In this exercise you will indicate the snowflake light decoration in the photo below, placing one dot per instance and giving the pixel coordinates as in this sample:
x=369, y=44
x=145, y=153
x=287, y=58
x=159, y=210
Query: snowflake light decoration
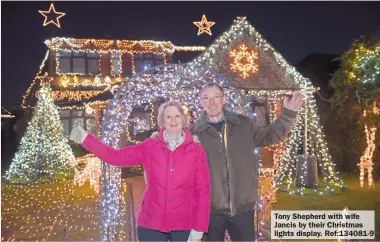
x=244, y=61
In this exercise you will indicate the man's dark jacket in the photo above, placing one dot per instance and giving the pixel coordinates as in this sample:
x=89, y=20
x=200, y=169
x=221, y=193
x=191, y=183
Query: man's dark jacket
x=232, y=161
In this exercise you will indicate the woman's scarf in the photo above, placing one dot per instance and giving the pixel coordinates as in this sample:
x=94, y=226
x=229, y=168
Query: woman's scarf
x=174, y=143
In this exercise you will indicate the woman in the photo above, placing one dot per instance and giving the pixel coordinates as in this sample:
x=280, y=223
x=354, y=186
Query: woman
x=176, y=202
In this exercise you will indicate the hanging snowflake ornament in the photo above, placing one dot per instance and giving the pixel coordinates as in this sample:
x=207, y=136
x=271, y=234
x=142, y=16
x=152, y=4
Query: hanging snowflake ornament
x=244, y=61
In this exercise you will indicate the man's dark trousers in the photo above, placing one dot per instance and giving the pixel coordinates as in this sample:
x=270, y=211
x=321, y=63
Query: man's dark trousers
x=240, y=227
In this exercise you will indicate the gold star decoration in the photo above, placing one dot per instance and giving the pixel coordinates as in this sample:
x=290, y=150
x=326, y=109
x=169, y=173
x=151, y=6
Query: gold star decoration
x=244, y=61
x=204, y=26
x=50, y=12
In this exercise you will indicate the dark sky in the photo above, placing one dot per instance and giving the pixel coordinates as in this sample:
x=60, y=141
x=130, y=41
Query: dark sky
x=295, y=29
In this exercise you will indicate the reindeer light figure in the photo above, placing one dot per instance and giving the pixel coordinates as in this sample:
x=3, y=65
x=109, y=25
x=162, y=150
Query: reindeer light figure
x=366, y=162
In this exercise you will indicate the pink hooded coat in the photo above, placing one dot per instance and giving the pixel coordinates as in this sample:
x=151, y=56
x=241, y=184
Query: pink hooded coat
x=178, y=192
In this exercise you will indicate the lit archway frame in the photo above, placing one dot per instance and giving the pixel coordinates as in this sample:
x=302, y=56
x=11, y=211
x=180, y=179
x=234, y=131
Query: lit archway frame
x=163, y=81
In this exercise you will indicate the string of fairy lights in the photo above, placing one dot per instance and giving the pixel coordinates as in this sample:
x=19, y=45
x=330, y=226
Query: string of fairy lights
x=183, y=82
x=6, y=114
x=107, y=50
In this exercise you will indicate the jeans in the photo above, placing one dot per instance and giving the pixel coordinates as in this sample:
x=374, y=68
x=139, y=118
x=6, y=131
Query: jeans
x=145, y=234
x=240, y=227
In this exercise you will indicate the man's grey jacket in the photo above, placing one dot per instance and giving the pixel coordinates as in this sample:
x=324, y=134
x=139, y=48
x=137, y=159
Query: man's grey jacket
x=232, y=161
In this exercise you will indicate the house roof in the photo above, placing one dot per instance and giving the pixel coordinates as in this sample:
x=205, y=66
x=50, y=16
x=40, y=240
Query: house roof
x=131, y=46
x=241, y=48
x=239, y=59
x=6, y=114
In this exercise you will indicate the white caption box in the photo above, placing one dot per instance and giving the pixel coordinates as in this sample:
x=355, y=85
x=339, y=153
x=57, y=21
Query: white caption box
x=322, y=224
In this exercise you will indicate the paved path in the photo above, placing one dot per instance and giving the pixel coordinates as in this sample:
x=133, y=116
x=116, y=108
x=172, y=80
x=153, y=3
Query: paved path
x=138, y=187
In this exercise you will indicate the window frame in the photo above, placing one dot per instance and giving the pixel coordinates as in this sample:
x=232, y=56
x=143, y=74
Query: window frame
x=71, y=61
x=72, y=116
x=155, y=59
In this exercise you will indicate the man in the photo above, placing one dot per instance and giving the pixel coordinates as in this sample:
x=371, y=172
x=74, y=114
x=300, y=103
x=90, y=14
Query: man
x=229, y=140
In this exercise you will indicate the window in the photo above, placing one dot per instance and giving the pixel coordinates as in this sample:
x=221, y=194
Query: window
x=126, y=64
x=141, y=124
x=73, y=118
x=93, y=63
x=139, y=63
x=75, y=122
x=143, y=62
x=148, y=64
x=91, y=127
x=66, y=127
x=64, y=61
x=116, y=63
x=64, y=113
x=105, y=67
x=78, y=62
x=159, y=59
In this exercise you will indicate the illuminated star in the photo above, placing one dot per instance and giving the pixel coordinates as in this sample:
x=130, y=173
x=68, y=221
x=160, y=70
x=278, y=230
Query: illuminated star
x=51, y=12
x=204, y=26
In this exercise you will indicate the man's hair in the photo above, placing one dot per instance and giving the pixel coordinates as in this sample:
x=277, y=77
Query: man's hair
x=212, y=84
x=176, y=104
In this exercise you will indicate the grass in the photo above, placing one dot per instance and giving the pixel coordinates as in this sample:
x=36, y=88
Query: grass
x=61, y=211
x=55, y=212
x=353, y=197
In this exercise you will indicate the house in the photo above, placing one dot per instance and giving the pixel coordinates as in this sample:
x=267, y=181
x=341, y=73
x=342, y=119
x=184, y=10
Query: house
x=85, y=73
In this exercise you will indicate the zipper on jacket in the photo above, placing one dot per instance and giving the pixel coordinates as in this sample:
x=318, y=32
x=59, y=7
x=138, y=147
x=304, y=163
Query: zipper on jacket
x=227, y=165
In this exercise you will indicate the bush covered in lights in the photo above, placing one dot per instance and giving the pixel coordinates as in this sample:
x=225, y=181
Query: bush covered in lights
x=44, y=153
x=356, y=102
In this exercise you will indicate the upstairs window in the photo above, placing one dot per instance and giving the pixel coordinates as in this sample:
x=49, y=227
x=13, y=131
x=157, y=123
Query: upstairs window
x=146, y=61
x=72, y=118
x=78, y=62
x=116, y=65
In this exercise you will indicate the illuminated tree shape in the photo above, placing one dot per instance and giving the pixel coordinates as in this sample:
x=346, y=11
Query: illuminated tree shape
x=44, y=153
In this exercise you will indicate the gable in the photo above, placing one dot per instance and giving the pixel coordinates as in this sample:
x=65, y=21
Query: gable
x=245, y=60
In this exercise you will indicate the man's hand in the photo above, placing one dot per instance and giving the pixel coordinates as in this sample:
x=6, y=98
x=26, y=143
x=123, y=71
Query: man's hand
x=195, y=236
x=78, y=134
x=294, y=102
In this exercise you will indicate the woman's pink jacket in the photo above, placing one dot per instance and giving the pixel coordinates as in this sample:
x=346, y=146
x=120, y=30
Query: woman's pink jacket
x=178, y=192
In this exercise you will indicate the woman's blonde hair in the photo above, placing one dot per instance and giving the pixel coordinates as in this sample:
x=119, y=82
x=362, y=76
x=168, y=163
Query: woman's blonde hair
x=176, y=104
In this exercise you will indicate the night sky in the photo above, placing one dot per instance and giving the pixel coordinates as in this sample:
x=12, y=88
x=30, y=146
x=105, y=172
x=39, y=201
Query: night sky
x=295, y=29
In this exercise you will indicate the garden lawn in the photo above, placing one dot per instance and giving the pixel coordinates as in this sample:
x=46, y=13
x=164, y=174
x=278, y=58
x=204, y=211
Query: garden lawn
x=56, y=211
